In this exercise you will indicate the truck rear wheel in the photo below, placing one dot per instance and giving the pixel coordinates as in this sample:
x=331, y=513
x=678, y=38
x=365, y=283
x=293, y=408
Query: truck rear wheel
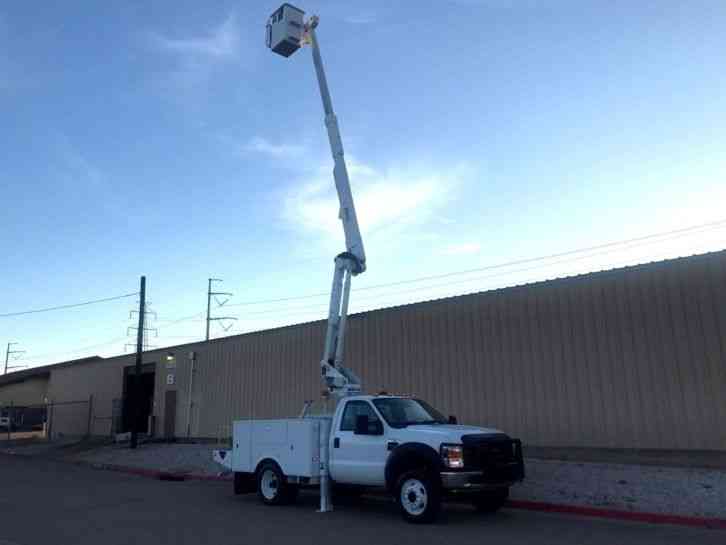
x=491, y=500
x=272, y=486
x=419, y=497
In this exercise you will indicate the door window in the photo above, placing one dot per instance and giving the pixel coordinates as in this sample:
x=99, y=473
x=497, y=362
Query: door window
x=353, y=410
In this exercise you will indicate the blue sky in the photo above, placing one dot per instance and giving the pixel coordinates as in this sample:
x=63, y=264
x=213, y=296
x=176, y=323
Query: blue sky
x=166, y=140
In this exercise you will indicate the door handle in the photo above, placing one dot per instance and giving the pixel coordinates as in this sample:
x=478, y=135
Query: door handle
x=336, y=442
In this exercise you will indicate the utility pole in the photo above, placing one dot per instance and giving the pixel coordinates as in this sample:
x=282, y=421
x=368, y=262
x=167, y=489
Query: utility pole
x=214, y=294
x=9, y=353
x=137, y=370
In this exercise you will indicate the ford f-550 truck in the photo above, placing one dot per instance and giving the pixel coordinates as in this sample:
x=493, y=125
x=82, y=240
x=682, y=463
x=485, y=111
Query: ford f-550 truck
x=398, y=444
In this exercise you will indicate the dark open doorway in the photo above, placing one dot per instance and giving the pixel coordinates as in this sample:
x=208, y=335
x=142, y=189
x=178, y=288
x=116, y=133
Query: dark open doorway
x=140, y=393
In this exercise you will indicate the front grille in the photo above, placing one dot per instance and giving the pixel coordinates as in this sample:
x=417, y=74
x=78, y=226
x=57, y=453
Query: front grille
x=498, y=457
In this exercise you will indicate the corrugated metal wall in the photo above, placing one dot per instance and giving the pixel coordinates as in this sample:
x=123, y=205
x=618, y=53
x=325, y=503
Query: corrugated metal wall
x=78, y=382
x=631, y=358
x=31, y=391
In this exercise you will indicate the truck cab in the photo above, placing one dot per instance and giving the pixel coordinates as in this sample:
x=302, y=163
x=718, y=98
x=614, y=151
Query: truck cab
x=418, y=455
x=400, y=445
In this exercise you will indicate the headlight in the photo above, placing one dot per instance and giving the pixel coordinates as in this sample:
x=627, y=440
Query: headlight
x=453, y=456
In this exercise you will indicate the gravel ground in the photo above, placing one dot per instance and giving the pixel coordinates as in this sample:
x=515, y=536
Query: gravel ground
x=682, y=491
x=185, y=458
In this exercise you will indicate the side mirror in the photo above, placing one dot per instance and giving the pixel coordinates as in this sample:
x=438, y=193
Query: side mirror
x=452, y=419
x=364, y=426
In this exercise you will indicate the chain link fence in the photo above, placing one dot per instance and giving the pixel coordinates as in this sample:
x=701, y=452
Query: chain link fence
x=22, y=422
x=69, y=419
x=53, y=420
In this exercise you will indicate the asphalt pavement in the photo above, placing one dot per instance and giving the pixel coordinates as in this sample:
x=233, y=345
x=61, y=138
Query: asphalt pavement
x=44, y=501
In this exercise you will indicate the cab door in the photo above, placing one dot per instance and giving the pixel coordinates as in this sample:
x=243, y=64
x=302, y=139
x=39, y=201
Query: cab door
x=359, y=458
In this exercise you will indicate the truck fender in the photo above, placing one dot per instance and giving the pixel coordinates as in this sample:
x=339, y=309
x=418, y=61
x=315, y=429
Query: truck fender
x=266, y=460
x=411, y=456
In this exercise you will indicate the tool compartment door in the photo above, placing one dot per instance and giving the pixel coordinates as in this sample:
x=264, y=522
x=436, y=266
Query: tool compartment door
x=269, y=440
x=242, y=446
x=303, y=448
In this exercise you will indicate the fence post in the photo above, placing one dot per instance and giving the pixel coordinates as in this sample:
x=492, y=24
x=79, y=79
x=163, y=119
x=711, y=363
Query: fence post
x=90, y=415
x=50, y=421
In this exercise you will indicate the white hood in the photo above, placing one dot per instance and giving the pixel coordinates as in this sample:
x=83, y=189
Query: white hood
x=435, y=434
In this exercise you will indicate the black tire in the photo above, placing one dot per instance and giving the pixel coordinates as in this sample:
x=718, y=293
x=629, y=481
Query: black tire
x=418, y=494
x=272, y=487
x=491, y=500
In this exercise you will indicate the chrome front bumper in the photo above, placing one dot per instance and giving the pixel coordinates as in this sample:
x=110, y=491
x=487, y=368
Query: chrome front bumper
x=469, y=480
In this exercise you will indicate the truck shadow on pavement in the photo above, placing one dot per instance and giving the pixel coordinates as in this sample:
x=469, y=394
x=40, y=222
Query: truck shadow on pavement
x=380, y=508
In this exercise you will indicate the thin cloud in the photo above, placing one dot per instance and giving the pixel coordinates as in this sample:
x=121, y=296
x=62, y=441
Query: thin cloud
x=387, y=203
x=264, y=146
x=221, y=43
x=197, y=58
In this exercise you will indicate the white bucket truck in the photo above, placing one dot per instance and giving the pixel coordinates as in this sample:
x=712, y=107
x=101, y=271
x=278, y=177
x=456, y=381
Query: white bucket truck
x=394, y=443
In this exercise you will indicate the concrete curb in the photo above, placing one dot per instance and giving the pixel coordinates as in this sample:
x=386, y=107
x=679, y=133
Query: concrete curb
x=633, y=516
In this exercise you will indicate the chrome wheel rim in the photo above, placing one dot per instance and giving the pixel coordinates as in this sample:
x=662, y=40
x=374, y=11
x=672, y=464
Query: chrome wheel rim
x=414, y=497
x=269, y=484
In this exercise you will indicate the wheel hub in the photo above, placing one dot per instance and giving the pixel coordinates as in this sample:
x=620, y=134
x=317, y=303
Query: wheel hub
x=414, y=498
x=269, y=484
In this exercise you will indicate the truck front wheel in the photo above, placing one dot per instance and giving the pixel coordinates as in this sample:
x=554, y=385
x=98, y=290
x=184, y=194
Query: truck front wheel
x=272, y=486
x=419, y=497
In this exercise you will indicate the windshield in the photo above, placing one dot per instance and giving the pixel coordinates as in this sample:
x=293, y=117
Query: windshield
x=400, y=412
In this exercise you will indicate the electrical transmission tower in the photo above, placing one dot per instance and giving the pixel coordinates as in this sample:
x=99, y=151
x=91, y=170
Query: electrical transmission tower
x=132, y=331
x=15, y=354
x=215, y=294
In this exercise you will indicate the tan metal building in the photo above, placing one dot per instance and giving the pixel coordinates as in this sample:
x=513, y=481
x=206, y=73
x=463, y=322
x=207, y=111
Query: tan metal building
x=628, y=358
x=30, y=390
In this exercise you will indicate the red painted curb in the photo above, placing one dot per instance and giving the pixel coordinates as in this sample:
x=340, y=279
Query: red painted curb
x=161, y=475
x=634, y=516
x=203, y=477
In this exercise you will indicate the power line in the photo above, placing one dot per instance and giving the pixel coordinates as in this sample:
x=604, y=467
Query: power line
x=313, y=308
x=318, y=309
x=297, y=315
x=167, y=323
x=51, y=355
x=319, y=313
x=525, y=269
x=63, y=307
x=683, y=231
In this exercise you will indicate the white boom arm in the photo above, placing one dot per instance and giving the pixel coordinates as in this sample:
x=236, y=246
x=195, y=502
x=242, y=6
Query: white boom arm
x=339, y=380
